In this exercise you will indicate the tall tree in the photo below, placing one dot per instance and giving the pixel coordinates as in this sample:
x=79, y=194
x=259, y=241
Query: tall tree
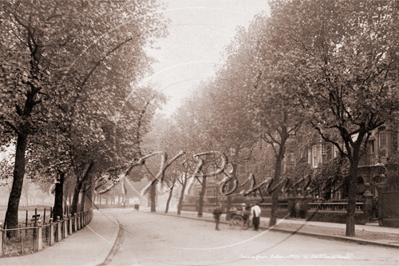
x=49, y=52
x=345, y=57
x=227, y=121
x=267, y=97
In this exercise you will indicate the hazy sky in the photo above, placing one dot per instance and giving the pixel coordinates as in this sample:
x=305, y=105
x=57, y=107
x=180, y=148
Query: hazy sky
x=199, y=31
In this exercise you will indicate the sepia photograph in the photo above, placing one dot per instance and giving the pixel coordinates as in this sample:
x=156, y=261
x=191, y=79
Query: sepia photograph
x=199, y=132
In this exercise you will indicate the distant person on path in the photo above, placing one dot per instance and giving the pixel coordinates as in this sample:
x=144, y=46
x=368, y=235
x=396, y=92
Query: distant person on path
x=255, y=212
x=136, y=203
x=216, y=214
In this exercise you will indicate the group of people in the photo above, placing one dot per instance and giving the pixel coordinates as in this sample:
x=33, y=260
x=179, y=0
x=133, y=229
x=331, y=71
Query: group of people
x=254, y=215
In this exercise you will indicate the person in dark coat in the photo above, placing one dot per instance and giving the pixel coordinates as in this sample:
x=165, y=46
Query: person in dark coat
x=217, y=212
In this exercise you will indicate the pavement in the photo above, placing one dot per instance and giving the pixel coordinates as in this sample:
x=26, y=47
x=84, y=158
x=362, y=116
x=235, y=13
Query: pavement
x=89, y=246
x=93, y=244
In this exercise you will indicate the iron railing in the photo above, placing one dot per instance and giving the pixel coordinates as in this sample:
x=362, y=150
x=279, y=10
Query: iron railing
x=37, y=234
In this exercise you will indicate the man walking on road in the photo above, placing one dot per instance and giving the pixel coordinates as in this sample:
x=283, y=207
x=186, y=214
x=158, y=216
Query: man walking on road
x=216, y=214
x=255, y=212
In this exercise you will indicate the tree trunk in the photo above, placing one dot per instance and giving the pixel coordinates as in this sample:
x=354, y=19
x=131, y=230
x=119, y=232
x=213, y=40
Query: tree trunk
x=352, y=189
x=229, y=200
x=11, y=219
x=88, y=195
x=153, y=194
x=75, y=200
x=201, y=197
x=78, y=188
x=277, y=173
x=167, y=202
x=180, y=206
x=352, y=184
x=83, y=198
x=59, y=196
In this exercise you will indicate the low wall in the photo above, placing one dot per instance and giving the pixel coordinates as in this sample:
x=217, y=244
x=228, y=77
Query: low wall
x=335, y=216
x=332, y=216
x=265, y=209
x=389, y=222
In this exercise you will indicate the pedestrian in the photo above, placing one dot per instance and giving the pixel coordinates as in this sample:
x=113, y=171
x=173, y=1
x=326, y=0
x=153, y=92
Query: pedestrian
x=243, y=209
x=255, y=212
x=216, y=214
x=245, y=214
x=136, y=203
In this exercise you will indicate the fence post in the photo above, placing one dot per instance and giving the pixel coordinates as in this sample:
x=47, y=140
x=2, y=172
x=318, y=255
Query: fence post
x=75, y=222
x=70, y=224
x=51, y=232
x=368, y=203
x=59, y=235
x=381, y=188
x=39, y=235
x=291, y=205
x=300, y=205
x=1, y=239
x=65, y=226
x=78, y=220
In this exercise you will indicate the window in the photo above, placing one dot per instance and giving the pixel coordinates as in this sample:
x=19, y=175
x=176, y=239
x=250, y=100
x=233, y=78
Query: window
x=324, y=149
x=338, y=195
x=316, y=153
x=336, y=152
x=371, y=147
x=383, y=139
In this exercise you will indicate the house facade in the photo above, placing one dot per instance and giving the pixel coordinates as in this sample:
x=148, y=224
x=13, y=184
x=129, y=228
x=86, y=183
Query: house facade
x=382, y=144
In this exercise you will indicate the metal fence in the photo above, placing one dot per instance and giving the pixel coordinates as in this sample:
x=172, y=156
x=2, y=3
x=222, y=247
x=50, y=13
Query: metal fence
x=37, y=233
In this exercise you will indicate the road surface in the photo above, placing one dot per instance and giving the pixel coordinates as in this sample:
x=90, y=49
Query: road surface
x=154, y=239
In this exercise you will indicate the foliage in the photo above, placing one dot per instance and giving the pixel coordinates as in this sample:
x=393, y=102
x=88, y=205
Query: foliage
x=343, y=58
x=64, y=65
x=266, y=97
x=6, y=169
x=301, y=169
x=336, y=168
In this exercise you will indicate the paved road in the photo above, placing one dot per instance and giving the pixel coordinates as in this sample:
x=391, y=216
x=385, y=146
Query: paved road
x=153, y=239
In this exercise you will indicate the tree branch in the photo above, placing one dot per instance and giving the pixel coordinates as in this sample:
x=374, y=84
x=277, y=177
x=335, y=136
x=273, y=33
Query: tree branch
x=326, y=138
x=86, y=78
x=13, y=127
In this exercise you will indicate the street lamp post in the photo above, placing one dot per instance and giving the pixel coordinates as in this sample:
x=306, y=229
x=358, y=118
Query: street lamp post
x=217, y=188
x=381, y=187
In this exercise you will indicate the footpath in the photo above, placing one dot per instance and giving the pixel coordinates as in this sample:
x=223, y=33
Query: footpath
x=91, y=245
